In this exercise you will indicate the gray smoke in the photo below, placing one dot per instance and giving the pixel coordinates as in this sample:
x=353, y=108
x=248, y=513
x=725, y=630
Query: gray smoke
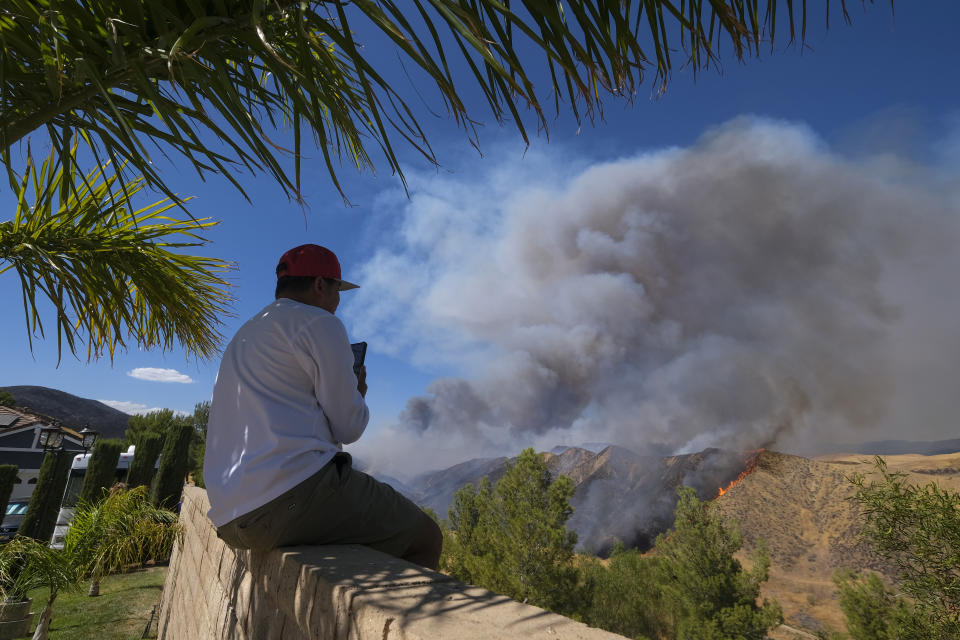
x=754, y=289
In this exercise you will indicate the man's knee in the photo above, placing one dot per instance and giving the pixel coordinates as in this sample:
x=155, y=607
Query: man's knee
x=427, y=546
x=431, y=534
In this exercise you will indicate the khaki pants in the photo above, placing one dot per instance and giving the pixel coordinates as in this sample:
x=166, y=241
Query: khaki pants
x=337, y=505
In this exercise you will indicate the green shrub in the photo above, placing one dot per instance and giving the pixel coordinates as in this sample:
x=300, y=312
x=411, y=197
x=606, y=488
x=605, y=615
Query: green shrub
x=142, y=467
x=8, y=477
x=101, y=470
x=512, y=537
x=41, y=517
x=624, y=596
x=689, y=587
x=174, y=463
x=708, y=595
x=917, y=529
x=872, y=611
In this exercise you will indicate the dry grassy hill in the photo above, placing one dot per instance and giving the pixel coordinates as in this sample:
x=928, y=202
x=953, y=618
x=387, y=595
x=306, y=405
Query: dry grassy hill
x=800, y=508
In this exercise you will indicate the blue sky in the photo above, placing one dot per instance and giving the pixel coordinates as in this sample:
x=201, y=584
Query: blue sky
x=882, y=90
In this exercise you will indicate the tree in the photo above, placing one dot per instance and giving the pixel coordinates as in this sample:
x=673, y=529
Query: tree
x=198, y=446
x=201, y=416
x=689, y=586
x=123, y=529
x=8, y=477
x=143, y=465
x=41, y=517
x=917, y=529
x=159, y=422
x=7, y=399
x=101, y=469
x=130, y=78
x=163, y=421
x=513, y=538
x=708, y=594
x=465, y=544
x=625, y=596
x=174, y=463
x=872, y=611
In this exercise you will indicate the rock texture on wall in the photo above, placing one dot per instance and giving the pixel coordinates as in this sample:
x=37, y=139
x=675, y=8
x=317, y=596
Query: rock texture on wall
x=345, y=592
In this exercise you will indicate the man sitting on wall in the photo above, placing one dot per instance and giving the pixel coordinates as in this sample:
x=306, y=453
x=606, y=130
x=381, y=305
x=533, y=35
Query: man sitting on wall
x=285, y=401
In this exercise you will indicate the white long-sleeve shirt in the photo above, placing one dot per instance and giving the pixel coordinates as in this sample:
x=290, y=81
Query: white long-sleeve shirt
x=285, y=401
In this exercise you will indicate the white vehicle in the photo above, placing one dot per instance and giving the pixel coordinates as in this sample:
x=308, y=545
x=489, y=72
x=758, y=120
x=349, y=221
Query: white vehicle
x=71, y=495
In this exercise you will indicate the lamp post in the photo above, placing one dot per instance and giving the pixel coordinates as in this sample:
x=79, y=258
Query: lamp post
x=88, y=437
x=51, y=438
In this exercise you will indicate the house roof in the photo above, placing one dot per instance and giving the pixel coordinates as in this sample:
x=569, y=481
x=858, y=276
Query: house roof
x=14, y=419
x=71, y=432
x=17, y=419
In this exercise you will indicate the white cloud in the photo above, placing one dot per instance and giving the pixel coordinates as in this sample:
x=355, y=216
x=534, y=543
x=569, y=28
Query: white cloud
x=129, y=407
x=153, y=374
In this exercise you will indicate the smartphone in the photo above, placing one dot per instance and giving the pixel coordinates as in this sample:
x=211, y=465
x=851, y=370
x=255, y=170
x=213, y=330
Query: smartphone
x=359, y=353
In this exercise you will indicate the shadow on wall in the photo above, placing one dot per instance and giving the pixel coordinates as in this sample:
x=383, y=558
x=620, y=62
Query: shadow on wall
x=330, y=592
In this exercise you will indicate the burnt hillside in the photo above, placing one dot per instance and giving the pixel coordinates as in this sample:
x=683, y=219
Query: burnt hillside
x=621, y=496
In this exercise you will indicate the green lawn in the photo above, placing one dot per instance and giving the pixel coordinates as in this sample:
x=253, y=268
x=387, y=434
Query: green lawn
x=119, y=613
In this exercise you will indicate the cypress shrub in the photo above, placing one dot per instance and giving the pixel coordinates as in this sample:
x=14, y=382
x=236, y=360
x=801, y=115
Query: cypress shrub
x=144, y=457
x=174, y=462
x=41, y=516
x=101, y=470
x=8, y=476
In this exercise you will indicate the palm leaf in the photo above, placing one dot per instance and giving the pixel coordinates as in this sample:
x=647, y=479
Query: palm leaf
x=165, y=76
x=111, y=272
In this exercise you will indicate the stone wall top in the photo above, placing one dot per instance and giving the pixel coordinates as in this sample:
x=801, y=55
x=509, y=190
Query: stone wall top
x=348, y=592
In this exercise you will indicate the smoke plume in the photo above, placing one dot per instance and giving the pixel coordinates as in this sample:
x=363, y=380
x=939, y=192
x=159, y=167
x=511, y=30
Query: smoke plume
x=750, y=290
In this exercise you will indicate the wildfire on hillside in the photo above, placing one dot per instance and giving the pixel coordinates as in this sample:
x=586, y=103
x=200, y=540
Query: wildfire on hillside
x=750, y=464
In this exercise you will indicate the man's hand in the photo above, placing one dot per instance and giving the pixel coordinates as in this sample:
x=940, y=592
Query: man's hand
x=362, y=381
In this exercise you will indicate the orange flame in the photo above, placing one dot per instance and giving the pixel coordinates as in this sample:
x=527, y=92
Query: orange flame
x=751, y=465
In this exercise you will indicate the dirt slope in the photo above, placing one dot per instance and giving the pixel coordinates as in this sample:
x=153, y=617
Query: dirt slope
x=800, y=508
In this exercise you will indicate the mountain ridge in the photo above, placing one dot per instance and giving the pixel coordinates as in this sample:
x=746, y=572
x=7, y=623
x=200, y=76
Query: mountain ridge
x=69, y=410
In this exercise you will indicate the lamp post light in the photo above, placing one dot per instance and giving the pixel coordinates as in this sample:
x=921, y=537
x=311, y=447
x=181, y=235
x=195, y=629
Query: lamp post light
x=88, y=437
x=50, y=438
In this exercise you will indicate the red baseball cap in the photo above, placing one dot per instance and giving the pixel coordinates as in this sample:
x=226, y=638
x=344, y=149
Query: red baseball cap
x=312, y=260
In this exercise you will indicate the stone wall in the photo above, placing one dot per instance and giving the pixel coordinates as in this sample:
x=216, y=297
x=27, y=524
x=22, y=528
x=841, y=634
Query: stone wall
x=345, y=592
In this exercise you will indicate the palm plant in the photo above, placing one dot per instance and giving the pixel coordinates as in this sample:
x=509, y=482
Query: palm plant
x=105, y=537
x=112, y=272
x=121, y=530
x=26, y=564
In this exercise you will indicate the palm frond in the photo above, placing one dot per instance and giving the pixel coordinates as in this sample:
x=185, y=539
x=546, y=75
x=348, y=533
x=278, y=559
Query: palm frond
x=137, y=79
x=111, y=272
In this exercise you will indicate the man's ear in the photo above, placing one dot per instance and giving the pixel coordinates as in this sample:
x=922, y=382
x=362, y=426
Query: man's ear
x=318, y=285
